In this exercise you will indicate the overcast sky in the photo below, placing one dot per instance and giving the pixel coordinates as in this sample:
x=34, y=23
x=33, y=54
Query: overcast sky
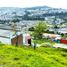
x=30, y=3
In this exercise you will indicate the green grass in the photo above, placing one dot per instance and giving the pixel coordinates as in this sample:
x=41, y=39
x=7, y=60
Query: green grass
x=28, y=57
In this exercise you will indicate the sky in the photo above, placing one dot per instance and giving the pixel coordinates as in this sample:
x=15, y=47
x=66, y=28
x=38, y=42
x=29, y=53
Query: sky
x=31, y=3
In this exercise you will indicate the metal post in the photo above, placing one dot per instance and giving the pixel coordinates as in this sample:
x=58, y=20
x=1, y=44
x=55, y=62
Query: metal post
x=35, y=43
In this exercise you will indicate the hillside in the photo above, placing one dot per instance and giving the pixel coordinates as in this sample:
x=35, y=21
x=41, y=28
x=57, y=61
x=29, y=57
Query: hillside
x=28, y=57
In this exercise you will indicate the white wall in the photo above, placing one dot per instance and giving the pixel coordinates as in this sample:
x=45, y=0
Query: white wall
x=5, y=40
x=26, y=36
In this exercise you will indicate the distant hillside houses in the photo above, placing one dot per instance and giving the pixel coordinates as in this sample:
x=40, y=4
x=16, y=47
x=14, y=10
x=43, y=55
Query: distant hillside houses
x=60, y=30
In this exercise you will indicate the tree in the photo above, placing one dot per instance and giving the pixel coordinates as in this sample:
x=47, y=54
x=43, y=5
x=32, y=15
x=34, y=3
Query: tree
x=65, y=36
x=39, y=28
x=31, y=29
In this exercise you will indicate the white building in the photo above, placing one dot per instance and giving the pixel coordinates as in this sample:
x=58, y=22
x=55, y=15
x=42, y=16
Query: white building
x=26, y=39
x=9, y=36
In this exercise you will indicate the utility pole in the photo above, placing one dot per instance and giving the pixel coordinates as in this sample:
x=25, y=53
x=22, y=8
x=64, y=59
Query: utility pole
x=34, y=42
x=14, y=29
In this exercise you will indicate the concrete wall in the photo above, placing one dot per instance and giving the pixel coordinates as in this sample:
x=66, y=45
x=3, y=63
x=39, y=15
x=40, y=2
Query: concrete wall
x=5, y=40
x=17, y=41
x=25, y=39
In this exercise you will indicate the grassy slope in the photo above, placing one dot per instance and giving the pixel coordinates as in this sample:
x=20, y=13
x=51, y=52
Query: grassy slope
x=27, y=57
